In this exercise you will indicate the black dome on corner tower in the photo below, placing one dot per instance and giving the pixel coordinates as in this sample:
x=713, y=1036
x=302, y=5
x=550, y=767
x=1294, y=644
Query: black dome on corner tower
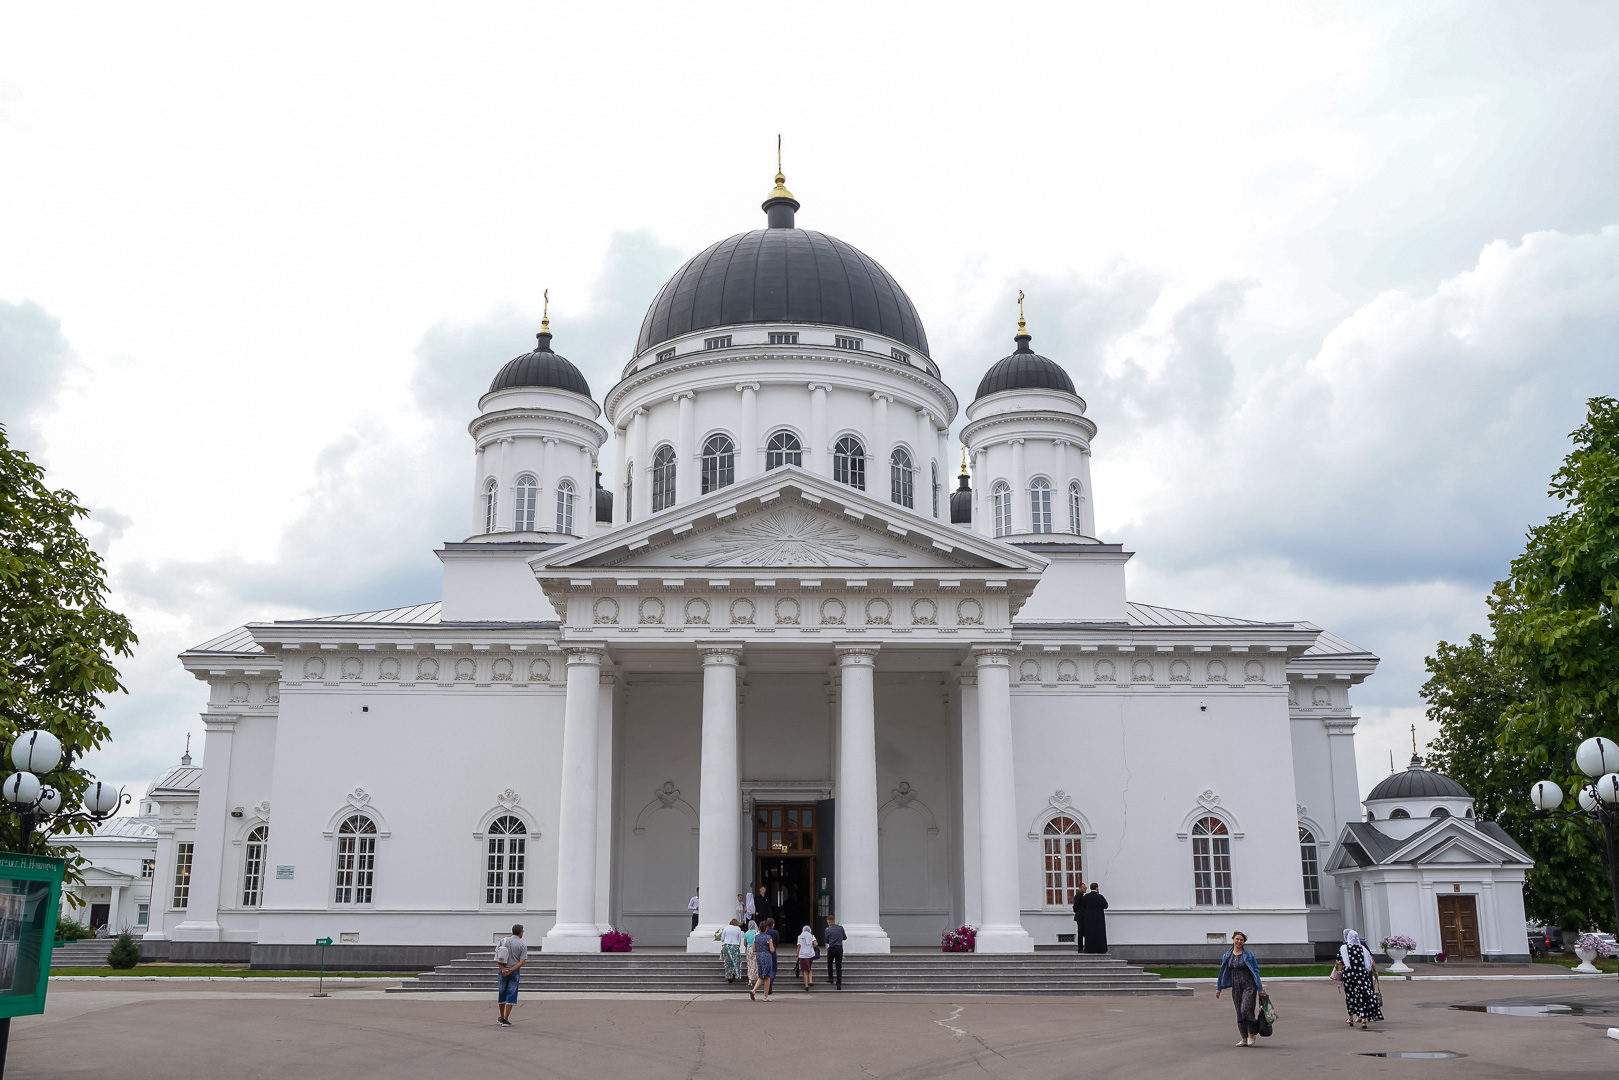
x=1417, y=783
x=781, y=274
x=541, y=368
x=1024, y=370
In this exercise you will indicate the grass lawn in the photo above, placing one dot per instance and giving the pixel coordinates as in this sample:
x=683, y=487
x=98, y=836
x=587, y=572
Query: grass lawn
x=1569, y=960
x=1322, y=970
x=220, y=970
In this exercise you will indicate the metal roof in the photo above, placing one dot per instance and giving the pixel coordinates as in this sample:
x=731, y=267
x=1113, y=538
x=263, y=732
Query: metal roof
x=542, y=367
x=180, y=780
x=231, y=641
x=127, y=827
x=1153, y=615
x=1417, y=783
x=1024, y=370
x=415, y=614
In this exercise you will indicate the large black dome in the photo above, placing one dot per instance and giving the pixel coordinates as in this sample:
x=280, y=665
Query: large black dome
x=542, y=367
x=1024, y=370
x=782, y=275
x=1417, y=783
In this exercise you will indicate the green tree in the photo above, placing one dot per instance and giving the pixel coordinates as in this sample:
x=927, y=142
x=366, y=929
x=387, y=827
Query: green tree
x=125, y=952
x=58, y=638
x=1469, y=692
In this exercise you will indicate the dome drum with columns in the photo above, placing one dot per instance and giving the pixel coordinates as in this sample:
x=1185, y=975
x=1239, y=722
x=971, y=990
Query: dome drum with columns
x=789, y=642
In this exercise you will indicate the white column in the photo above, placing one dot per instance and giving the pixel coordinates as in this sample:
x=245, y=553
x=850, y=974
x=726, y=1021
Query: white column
x=689, y=469
x=575, y=928
x=719, y=832
x=201, y=921
x=1022, y=519
x=545, y=498
x=477, y=492
x=971, y=873
x=926, y=445
x=818, y=461
x=115, y=924
x=1002, y=929
x=584, y=519
x=604, y=800
x=642, y=478
x=749, y=455
x=947, y=472
x=857, y=900
x=981, y=522
x=880, y=448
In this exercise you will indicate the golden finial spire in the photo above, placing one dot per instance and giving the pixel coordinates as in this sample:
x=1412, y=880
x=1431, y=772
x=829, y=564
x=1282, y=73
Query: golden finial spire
x=781, y=191
x=1413, y=740
x=1022, y=327
x=963, y=459
x=545, y=317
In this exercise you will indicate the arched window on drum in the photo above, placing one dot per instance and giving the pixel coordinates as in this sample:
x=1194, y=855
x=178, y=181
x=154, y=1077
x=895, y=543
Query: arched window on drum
x=1211, y=862
x=1063, y=869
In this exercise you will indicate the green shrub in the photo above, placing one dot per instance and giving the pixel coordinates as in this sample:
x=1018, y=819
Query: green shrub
x=125, y=952
x=68, y=930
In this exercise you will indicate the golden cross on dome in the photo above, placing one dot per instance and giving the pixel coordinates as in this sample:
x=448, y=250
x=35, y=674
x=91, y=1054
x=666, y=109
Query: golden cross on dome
x=780, y=191
x=1022, y=327
x=1413, y=740
x=545, y=316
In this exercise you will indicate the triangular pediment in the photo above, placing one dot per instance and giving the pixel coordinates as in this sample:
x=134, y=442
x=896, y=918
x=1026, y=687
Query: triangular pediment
x=792, y=521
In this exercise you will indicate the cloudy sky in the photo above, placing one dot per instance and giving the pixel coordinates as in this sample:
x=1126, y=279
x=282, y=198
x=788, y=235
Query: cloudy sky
x=1334, y=279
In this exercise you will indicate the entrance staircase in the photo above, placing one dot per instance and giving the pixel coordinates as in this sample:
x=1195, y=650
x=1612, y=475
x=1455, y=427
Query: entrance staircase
x=922, y=972
x=86, y=952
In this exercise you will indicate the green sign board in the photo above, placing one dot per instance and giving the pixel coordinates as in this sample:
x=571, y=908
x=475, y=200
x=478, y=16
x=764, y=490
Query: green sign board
x=30, y=891
x=323, y=941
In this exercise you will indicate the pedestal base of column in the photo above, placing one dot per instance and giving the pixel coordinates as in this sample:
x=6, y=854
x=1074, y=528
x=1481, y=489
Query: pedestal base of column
x=1003, y=939
x=572, y=938
x=701, y=940
x=864, y=939
x=196, y=931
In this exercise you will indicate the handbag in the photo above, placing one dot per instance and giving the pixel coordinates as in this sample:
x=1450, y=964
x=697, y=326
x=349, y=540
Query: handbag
x=1337, y=975
x=1267, y=1016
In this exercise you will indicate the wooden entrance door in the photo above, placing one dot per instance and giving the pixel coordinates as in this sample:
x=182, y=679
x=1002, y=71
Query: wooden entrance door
x=100, y=915
x=1458, y=926
x=785, y=849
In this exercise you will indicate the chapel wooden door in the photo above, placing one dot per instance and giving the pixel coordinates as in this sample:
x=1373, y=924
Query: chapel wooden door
x=1458, y=926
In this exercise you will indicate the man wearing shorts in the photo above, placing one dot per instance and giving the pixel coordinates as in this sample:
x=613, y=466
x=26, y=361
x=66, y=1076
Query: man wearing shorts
x=511, y=955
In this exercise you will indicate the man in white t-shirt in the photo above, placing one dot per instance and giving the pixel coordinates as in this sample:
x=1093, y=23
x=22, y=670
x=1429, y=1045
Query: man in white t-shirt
x=511, y=954
x=692, y=907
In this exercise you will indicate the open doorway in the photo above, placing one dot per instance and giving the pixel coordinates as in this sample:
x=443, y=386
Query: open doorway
x=786, y=846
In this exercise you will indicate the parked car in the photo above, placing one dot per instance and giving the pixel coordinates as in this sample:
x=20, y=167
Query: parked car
x=1545, y=941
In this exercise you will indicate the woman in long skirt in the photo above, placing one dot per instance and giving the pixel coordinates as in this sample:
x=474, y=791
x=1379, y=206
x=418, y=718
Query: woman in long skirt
x=1239, y=970
x=731, y=950
x=764, y=951
x=747, y=949
x=1360, y=981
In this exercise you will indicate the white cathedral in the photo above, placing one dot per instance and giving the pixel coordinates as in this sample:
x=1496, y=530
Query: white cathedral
x=778, y=650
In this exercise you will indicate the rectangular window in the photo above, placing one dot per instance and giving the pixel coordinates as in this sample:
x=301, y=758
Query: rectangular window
x=848, y=342
x=668, y=354
x=182, y=874
x=148, y=867
x=253, y=873
x=900, y=355
x=1312, y=867
x=784, y=339
x=142, y=914
x=717, y=342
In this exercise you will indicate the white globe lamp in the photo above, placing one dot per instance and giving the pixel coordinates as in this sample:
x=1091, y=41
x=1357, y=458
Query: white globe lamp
x=1608, y=788
x=20, y=789
x=40, y=752
x=101, y=797
x=1588, y=800
x=50, y=801
x=1546, y=795
x=1594, y=757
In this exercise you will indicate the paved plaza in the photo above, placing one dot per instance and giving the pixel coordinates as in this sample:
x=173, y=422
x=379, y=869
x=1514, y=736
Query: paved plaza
x=275, y=1030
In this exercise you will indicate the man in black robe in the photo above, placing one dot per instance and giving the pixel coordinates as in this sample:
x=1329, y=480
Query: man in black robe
x=1079, y=920
x=1092, y=920
x=764, y=906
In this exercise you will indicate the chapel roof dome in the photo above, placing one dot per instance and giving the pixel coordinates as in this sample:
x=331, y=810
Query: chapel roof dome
x=1417, y=783
x=541, y=368
x=1024, y=369
x=781, y=274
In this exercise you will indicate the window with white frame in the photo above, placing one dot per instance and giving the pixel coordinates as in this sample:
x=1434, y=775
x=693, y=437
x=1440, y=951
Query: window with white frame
x=1064, y=870
x=901, y=478
x=253, y=865
x=849, y=462
x=1039, y=505
x=1074, y=502
x=356, y=860
x=1310, y=857
x=506, y=858
x=663, y=478
x=182, y=874
x=901, y=355
x=148, y=867
x=1000, y=497
x=935, y=489
x=1211, y=862
x=667, y=354
x=783, y=339
x=528, y=495
x=143, y=914
x=719, y=463
x=566, y=497
x=717, y=342
x=783, y=449
x=848, y=342
x=491, y=505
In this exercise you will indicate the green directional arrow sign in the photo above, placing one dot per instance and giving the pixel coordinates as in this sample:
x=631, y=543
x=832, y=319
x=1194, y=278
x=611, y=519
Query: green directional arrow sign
x=323, y=941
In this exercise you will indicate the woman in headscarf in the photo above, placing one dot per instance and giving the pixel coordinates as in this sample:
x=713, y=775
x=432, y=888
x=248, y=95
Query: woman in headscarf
x=1359, y=974
x=806, y=956
x=747, y=947
x=731, y=950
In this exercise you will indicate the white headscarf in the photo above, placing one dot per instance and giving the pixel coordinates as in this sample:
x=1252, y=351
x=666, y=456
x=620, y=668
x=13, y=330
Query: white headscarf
x=806, y=936
x=1352, y=940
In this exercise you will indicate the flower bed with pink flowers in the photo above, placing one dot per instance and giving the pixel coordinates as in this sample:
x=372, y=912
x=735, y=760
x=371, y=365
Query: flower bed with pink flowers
x=616, y=941
x=961, y=939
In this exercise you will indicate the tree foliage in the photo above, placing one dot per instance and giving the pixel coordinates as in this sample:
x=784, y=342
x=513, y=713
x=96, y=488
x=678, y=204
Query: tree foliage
x=125, y=952
x=58, y=638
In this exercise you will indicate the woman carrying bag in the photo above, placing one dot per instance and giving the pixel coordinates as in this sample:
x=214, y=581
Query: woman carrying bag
x=1358, y=972
x=1239, y=971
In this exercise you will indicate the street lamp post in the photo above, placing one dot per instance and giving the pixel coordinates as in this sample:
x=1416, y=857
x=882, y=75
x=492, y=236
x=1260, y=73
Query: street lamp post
x=1598, y=797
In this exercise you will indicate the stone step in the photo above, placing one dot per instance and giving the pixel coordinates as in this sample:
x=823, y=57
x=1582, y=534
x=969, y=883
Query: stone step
x=86, y=952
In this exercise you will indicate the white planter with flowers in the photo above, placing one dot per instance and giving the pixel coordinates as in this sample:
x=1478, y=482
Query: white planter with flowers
x=1398, y=948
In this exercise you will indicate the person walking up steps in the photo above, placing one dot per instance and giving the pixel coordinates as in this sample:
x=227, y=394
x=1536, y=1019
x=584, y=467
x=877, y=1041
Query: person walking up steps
x=835, y=937
x=747, y=949
x=764, y=951
x=511, y=954
x=731, y=950
x=1359, y=973
x=807, y=947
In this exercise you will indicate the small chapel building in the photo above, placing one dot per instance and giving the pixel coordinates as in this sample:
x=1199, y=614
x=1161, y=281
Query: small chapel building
x=774, y=649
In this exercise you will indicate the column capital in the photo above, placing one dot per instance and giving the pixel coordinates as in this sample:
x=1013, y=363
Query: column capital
x=689, y=394
x=713, y=655
x=212, y=721
x=821, y=386
x=993, y=655
x=747, y=386
x=861, y=654
x=591, y=654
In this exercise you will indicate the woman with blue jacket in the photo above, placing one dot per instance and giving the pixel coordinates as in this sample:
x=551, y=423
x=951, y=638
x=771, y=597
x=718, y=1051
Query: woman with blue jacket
x=1239, y=971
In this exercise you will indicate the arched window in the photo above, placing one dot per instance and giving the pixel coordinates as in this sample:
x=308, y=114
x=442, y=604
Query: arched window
x=935, y=489
x=1312, y=866
x=901, y=478
x=1439, y=812
x=506, y=848
x=849, y=462
x=663, y=478
x=1040, y=506
x=1211, y=862
x=566, y=497
x=528, y=495
x=1001, y=496
x=1399, y=813
x=1064, y=874
x=719, y=463
x=1074, y=502
x=783, y=449
x=356, y=859
x=491, y=505
x=253, y=866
